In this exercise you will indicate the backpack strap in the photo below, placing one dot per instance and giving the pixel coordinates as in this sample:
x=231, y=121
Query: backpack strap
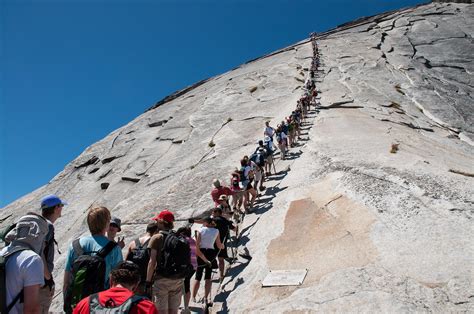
x=107, y=249
x=137, y=243
x=145, y=244
x=76, y=246
x=19, y=296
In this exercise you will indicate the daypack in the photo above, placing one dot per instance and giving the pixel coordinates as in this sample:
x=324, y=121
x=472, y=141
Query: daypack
x=88, y=274
x=260, y=160
x=175, y=258
x=4, y=307
x=111, y=307
x=140, y=255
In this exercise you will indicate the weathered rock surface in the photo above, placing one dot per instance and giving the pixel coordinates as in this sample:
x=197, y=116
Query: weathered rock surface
x=377, y=231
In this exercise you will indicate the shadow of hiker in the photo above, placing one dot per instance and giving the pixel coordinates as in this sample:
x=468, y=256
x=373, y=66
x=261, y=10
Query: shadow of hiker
x=293, y=155
x=223, y=295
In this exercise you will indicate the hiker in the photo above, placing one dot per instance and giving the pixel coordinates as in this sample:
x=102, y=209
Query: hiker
x=166, y=292
x=258, y=163
x=91, y=256
x=120, y=298
x=250, y=192
x=224, y=205
x=219, y=190
x=282, y=142
x=223, y=225
x=186, y=232
x=139, y=253
x=269, y=131
x=237, y=191
x=267, y=144
x=51, y=209
x=23, y=268
x=114, y=228
x=206, y=238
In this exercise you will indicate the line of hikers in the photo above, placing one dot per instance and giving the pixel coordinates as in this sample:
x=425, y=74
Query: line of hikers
x=155, y=273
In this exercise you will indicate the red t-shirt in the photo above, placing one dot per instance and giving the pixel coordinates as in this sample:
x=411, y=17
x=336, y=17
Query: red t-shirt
x=215, y=193
x=119, y=295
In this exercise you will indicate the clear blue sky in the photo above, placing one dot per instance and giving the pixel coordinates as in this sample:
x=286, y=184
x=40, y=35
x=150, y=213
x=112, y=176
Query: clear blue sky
x=73, y=71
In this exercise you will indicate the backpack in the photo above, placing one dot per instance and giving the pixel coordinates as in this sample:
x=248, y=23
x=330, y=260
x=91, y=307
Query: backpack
x=175, y=256
x=4, y=307
x=140, y=255
x=88, y=274
x=31, y=230
x=260, y=160
x=125, y=307
x=241, y=173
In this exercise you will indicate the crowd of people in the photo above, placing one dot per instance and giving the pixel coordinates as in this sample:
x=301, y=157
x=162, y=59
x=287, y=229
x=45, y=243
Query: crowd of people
x=155, y=274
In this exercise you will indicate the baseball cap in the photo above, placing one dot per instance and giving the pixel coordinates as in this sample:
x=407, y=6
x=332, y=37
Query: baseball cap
x=165, y=215
x=116, y=221
x=51, y=200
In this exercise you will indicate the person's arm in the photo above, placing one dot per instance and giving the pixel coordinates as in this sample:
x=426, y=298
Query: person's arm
x=67, y=276
x=218, y=242
x=31, y=299
x=131, y=246
x=151, y=265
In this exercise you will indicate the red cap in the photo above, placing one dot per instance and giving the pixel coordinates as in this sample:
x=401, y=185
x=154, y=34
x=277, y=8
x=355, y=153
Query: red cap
x=165, y=215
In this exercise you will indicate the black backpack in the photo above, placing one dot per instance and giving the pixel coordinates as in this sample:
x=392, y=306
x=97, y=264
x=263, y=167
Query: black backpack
x=175, y=256
x=140, y=255
x=110, y=307
x=88, y=274
x=4, y=307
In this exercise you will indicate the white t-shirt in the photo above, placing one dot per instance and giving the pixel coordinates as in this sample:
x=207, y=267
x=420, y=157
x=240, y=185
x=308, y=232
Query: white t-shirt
x=208, y=237
x=268, y=131
x=23, y=269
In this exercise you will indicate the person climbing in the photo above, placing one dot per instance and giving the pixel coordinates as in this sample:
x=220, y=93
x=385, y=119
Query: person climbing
x=23, y=267
x=224, y=205
x=237, y=192
x=282, y=142
x=224, y=226
x=90, y=247
x=186, y=232
x=120, y=298
x=219, y=190
x=248, y=168
x=206, y=238
x=114, y=228
x=269, y=131
x=166, y=289
x=139, y=252
x=51, y=209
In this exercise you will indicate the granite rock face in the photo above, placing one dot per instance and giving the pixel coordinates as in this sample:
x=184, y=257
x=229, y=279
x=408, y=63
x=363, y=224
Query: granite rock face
x=379, y=231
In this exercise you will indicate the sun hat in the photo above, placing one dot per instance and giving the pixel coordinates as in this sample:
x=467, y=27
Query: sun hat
x=116, y=221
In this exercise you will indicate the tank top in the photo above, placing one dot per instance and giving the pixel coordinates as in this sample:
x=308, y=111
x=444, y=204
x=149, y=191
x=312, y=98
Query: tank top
x=208, y=237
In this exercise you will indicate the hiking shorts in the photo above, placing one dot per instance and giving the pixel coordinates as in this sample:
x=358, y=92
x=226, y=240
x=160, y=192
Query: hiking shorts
x=210, y=254
x=167, y=293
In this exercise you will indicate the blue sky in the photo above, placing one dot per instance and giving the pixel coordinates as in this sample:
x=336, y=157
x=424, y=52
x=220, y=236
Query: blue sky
x=73, y=71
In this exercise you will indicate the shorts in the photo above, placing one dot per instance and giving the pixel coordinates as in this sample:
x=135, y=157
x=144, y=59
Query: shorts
x=167, y=293
x=249, y=186
x=210, y=254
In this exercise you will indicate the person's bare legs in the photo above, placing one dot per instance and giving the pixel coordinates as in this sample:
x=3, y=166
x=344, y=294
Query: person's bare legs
x=253, y=192
x=207, y=289
x=221, y=267
x=195, y=288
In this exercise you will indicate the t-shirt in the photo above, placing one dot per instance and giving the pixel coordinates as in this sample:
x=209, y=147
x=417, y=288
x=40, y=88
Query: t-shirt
x=23, y=269
x=216, y=192
x=208, y=237
x=49, y=248
x=94, y=244
x=268, y=131
x=117, y=295
x=223, y=225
